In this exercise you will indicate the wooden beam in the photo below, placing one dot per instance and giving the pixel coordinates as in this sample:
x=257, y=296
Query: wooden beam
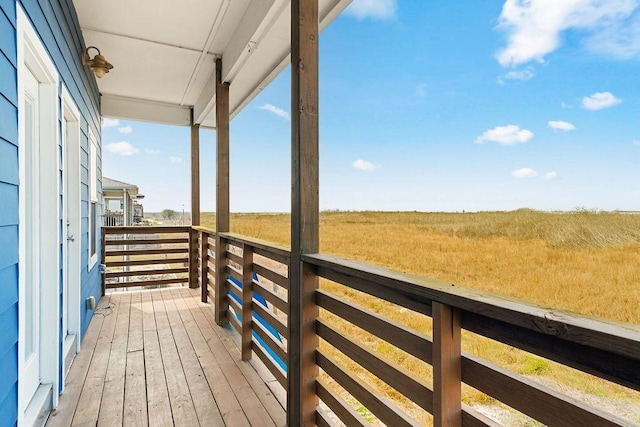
x=447, y=366
x=222, y=192
x=303, y=341
x=195, y=172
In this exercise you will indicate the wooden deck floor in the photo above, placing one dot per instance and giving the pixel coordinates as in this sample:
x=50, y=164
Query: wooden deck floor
x=157, y=358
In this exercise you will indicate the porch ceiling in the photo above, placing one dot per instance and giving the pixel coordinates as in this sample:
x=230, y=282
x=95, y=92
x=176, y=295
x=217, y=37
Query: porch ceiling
x=163, y=53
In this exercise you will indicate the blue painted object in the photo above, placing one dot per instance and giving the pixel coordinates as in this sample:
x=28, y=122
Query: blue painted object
x=266, y=325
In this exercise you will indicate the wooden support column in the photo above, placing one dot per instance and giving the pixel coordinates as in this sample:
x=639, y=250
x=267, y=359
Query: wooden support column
x=303, y=341
x=222, y=193
x=447, y=362
x=247, y=301
x=195, y=172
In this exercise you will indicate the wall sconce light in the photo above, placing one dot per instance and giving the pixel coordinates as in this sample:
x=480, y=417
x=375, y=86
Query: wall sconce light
x=98, y=63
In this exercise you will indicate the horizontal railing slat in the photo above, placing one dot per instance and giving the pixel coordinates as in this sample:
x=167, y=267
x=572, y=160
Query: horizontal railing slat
x=271, y=275
x=610, y=366
x=269, y=363
x=122, y=242
x=395, y=376
x=234, y=273
x=535, y=400
x=342, y=409
x=380, y=406
x=271, y=341
x=271, y=320
x=261, y=247
x=235, y=258
x=146, y=230
x=271, y=297
x=147, y=272
x=145, y=252
x=394, y=333
x=138, y=262
x=146, y=283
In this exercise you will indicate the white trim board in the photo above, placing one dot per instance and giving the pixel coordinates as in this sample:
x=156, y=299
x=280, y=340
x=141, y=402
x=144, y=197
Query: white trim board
x=71, y=233
x=33, y=57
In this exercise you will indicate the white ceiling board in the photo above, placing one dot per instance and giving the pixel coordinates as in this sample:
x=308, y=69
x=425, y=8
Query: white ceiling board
x=184, y=23
x=164, y=51
x=146, y=111
x=142, y=69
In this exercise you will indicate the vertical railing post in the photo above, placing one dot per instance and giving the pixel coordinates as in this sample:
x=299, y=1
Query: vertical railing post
x=302, y=370
x=247, y=301
x=193, y=258
x=221, y=303
x=447, y=362
x=104, y=261
x=204, y=266
x=222, y=192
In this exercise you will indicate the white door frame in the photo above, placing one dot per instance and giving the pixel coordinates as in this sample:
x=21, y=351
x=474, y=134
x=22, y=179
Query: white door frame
x=71, y=234
x=33, y=56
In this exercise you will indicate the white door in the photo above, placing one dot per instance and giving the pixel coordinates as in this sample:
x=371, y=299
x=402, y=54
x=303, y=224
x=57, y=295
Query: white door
x=31, y=365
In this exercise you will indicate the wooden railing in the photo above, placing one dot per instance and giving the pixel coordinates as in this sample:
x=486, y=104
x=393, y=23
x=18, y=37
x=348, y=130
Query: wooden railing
x=148, y=256
x=608, y=351
x=253, y=294
x=249, y=281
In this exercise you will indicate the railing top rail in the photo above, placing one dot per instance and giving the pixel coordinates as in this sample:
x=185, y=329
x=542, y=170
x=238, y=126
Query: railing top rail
x=202, y=229
x=146, y=229
x=603, y=334
x=269, y=247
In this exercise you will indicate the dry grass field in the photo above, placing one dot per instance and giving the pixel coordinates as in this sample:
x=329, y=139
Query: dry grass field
x=582, y=261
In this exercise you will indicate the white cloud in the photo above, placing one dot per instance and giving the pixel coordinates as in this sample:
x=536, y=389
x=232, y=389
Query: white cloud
x=524, y=173
x=600, y=100
x=619, y=39
x=550, y=175
x=364, y=165
x=374, y=9
x=505, y=135
x=275, y=110
x=125, y=129
x=421, y=90
x=175, y=159
x=636, y=142
x=534, y=27
x=561, y=125
x=520, y=75
x=110, y=123
x=151, y=152
x=122, y=148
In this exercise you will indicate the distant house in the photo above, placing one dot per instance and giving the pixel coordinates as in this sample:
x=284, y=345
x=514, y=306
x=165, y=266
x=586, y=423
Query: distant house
x=120, y=203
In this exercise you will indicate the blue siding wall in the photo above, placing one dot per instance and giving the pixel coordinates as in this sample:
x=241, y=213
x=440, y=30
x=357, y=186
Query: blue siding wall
x=8, y=215
x=56, y=23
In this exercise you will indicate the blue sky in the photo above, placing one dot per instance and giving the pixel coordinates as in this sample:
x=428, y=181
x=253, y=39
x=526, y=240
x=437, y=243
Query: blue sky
x=433, y=106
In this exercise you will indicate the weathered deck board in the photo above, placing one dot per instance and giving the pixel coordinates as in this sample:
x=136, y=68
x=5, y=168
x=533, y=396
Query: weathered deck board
x=156, y=358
